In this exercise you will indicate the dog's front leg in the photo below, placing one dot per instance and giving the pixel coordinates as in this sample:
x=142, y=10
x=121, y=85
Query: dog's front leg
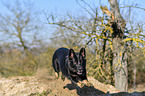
x=87, y=83
x=76, y=82
x=80, y=84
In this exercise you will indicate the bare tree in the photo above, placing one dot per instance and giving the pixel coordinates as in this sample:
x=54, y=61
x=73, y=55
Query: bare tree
x=19, y=24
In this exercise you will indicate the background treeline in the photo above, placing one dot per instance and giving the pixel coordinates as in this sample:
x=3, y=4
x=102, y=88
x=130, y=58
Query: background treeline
x=23, y=50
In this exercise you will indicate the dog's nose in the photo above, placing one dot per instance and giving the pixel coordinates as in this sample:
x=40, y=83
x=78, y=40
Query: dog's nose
x=80, y=68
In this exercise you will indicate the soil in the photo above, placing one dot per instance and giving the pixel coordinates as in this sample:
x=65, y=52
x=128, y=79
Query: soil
x=43, y=85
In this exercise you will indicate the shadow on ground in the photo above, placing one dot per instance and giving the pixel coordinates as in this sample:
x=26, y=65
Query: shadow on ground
x=84, y=91
x=92, y=91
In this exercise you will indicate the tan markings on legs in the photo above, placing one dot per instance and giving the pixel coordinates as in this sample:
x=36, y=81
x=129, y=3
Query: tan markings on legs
x=80, y=84
x=56, y=75
x=87, y=83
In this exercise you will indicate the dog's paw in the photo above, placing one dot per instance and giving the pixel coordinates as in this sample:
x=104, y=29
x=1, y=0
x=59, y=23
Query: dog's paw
x=88, y=83
x=80, y=84
x=56, y=75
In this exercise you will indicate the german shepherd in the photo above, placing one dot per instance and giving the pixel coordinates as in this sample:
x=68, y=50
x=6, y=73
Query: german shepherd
x=72, y=65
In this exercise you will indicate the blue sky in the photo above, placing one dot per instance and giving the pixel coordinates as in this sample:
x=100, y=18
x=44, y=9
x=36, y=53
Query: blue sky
x=56, y=6
x=61, y=7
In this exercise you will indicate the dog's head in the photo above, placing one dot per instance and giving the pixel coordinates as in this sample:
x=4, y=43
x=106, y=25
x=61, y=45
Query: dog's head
x=77, y=61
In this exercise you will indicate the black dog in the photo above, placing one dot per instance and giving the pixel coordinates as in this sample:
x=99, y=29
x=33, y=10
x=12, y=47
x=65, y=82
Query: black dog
x=71, y=64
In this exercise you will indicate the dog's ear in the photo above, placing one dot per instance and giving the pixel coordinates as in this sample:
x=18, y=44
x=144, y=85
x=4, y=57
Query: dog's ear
x=83, y=52
x=71, y=53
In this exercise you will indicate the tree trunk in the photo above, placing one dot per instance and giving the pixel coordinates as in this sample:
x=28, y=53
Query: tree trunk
x=119, y=49
x=120, y=65
x=116, y=13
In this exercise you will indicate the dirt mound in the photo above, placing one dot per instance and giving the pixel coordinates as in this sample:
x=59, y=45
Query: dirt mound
x=49, y=86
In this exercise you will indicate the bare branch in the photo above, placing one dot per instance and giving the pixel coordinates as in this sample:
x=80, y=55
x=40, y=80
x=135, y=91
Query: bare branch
x=133, y=7
x=86, y=8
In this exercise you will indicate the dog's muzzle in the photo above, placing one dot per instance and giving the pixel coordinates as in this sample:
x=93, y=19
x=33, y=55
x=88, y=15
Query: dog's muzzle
x=79, y=70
